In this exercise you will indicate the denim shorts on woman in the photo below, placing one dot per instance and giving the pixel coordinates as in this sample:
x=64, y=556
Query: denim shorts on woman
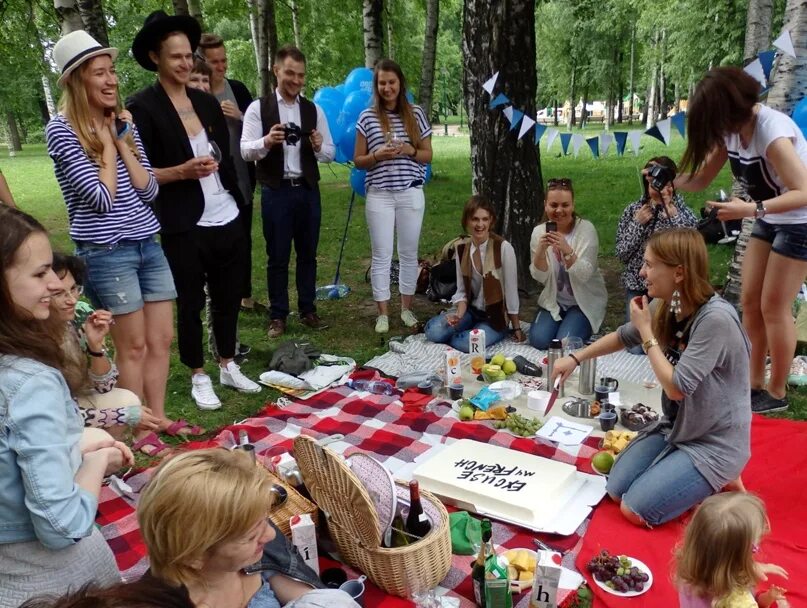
x=120, y=278
x=789, y=240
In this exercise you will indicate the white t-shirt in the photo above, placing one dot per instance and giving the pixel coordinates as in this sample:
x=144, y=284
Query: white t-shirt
x=220, y=208
x=753, y=169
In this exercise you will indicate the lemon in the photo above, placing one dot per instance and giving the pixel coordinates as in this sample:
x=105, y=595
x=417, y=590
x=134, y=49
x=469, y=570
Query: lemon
x=603, y=461
x=497, y=359
x=509, y=366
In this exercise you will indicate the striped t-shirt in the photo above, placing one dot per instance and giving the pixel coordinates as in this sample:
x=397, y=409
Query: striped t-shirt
x=398, y=173
x=94, y=217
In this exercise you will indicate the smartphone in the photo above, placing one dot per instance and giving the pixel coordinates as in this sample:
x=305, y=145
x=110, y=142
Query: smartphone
x=121, y=128
x=551, y=226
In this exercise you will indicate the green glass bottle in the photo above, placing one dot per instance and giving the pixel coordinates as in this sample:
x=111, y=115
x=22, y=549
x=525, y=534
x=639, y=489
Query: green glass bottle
x=478, y=566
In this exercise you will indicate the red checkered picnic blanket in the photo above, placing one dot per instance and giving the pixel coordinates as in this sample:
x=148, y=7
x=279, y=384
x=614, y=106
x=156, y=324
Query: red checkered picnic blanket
x=371, y=423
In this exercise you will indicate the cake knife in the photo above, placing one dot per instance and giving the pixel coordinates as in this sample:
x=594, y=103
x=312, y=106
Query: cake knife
x=553, y=397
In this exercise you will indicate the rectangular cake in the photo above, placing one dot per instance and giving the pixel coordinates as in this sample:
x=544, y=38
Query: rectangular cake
x=499, y=481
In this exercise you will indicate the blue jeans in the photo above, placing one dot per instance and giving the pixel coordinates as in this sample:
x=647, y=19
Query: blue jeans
x=291, y=214
x=439, y=331
x=544, y=329
x=629, y=295
x=121, y=277
x=661, y=491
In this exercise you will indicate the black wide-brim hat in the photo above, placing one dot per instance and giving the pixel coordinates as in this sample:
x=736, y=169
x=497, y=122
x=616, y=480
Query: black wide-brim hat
x=157, y=25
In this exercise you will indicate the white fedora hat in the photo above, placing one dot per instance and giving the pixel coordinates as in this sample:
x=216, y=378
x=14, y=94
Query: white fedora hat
x=74, y=49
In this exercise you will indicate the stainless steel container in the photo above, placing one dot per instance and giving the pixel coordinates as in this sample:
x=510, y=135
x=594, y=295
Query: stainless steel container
x=554, y=353
x=587, y=377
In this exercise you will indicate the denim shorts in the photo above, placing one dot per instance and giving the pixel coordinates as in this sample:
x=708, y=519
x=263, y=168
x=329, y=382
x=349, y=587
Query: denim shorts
x=788, y=240
x=657, y=491
x=120, y=278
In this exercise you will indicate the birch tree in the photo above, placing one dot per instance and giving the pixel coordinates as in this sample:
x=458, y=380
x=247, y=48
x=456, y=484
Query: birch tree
x=426, y=89
x=373, y=31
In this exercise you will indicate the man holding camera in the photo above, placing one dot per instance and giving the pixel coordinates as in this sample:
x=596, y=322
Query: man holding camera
x=286, y=135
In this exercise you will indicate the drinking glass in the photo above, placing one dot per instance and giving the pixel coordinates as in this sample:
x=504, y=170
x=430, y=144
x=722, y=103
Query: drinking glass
x=649, y=383
x=212, y=150
x=722, y=197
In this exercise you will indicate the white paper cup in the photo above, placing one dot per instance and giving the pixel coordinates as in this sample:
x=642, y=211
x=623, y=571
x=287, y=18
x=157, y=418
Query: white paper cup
x=538, y=400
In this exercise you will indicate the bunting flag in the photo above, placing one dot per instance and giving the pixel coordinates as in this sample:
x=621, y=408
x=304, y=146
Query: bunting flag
x=500, y=100
x=551, y=135
x=526, y=124
x=514, y=117
x=605, y=142
x=490, y=83
x=785, y=44
x=565, y=138
x=766, y=59
x=678, y=122
x=539, y=131
x=661, y=131
x=594, y=144
x=621, y=138
x=508, y=114
x=577, y=141
x=634, y=141
x=756, y=70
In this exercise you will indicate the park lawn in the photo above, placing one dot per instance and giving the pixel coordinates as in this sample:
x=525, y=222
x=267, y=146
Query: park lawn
x=603, y=187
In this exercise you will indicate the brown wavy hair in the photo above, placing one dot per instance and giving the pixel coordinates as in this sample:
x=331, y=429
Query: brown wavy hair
x=21, y=335
x=722, y=103
x=681, y=247
x=716, y=555
x=402, y=106
x=476, y=202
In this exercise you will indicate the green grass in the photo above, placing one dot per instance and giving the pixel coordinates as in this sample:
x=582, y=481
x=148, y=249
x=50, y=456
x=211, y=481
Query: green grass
x=603, y=187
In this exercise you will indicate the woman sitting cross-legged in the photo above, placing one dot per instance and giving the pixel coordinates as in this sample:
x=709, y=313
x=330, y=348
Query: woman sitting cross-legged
x=700, y=355
x=204, y=519
x=487, y=285
x=564, y=252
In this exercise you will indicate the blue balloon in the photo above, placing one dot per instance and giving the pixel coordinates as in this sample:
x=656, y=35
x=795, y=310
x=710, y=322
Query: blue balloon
x=357, y=181
x=333, y=111
x=355, y=103
x=347, y=143
x=327, y=95
x=340, y=158
x=799, y=115
x=428, y=177
x=409, y=97
x=359, y=79
x=341, y=89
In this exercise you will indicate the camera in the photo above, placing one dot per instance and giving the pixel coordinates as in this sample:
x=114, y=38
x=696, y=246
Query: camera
x=292, y=133
x=661, y=176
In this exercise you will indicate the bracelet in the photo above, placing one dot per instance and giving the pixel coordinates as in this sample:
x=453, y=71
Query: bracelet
x=93, y=353
x=576, y=360
x=374, y=158
x=648, y=344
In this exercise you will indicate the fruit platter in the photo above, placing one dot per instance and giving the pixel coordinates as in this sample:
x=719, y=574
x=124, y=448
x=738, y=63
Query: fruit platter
x=619, y=574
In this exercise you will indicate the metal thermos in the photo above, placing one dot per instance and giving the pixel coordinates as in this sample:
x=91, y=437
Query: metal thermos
x=554, y=353
x=587, y=375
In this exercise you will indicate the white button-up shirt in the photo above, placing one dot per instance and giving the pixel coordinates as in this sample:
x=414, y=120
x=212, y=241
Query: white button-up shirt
x=252, y=143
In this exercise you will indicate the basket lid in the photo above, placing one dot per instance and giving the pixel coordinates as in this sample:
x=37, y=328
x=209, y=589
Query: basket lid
x=380, y=485
x=337, y=491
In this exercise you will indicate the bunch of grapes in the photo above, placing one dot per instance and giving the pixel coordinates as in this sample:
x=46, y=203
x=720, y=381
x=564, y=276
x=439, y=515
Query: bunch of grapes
x=617, y=572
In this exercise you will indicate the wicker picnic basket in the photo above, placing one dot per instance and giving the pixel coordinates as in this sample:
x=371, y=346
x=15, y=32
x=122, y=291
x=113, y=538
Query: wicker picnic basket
x=295, y=504
x=354, y=525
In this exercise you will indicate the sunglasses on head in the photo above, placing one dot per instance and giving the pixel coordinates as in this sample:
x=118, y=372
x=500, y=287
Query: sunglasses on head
x=562, y=182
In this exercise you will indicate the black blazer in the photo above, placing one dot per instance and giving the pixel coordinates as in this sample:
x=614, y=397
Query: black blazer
x=244, y=98
x=180, y=204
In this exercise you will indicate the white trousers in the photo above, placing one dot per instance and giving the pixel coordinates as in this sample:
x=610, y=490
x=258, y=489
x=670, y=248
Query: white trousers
x=389, y=213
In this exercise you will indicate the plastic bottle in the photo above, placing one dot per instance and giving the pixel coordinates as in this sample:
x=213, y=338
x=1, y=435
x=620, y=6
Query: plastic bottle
x=377, y=387
x=332, y=292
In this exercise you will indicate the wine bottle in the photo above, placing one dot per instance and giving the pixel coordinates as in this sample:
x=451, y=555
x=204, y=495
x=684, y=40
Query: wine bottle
x=398, y=537
x=417, y=524
x=478, y=569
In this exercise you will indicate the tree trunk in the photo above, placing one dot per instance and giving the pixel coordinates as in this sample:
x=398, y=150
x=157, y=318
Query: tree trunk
x=757, y=28
x=92, y=14
x=620, y=92
x=68, y=15
x=265, y=39
x=14, y=143
x=295, y=23
x=426, y=89
x=631, y=89
x=195, y=11
x=555, y=115
x=646, y=107
x=390, y=45
x=662, y=79
x=677, y=96
x=651, y=98
x=501, y=36
x=181, y=7
x=583, y=110
x=373, y=31
x=46, y=89
x=570, y=121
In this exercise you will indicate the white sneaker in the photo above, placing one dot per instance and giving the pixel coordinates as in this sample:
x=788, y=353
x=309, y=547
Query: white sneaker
x=408, y=317
x=203, y=393
x=231, y=376
x=382, y=324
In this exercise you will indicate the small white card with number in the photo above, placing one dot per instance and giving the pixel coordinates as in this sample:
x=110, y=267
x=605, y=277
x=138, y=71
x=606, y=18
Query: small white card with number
x=564, y=431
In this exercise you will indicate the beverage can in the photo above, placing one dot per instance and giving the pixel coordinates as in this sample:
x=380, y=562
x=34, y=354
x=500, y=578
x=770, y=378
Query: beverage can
x=476, y=350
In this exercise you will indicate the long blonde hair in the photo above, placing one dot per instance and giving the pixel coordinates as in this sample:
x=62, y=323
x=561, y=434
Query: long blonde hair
x=402, y=106
x=196, y=501
x=76, y=108
x=681, y=247
x=717, y=553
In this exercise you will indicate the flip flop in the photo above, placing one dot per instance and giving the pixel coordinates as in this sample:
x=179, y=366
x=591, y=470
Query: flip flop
x=174, y=429
x=150, y=440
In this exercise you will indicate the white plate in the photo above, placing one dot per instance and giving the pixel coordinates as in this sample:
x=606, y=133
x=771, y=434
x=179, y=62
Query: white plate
x=521, y=586
x=506, y=389
x=634, y=562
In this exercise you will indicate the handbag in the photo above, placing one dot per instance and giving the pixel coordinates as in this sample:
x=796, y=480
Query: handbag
x=442, y=281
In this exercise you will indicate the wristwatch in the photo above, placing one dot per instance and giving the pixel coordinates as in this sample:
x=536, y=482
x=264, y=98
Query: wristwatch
x=648, y=344
x=760, y=211
x=568, y=256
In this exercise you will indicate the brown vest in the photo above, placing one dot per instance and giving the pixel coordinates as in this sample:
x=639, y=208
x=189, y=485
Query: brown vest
x=492, y=286
x=270, y=168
